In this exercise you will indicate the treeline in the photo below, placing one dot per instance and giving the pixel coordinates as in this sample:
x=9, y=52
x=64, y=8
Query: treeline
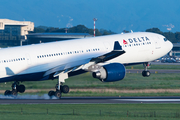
x=173, y=37
x=75, y=29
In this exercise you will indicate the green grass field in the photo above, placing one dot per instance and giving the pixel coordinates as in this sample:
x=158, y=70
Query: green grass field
x=131, y=81
x=90, y=111
x=100, y=111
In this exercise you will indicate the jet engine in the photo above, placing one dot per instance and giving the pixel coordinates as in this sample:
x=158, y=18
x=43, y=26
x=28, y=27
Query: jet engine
x=110, y=73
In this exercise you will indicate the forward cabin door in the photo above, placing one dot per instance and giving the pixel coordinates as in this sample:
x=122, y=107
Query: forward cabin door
x=28, y=59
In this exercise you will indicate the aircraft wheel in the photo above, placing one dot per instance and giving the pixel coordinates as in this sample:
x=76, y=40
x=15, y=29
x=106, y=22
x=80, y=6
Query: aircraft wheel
x=146, y=73
x=7, y=92
x=58, y=94
x=51, y=93
x=21, y=88
x=14, y=93
x=65, y=89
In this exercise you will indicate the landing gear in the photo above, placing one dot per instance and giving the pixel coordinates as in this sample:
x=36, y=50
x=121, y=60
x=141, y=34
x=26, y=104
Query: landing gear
x=21, y=88
x=51, y=93
x=58, y=92
x=146, y=73
x=60, y=88
x=15, y=89
x=65, y=89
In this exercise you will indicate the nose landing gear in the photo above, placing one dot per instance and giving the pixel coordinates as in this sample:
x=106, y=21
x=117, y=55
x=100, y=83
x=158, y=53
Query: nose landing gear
x=146, y=73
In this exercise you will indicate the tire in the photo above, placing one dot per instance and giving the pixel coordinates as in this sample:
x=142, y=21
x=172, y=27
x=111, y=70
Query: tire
x=21, y=88
x=7, y=92
x=58, y=94
x=51, y=93
x=65, y=89
x=143, y=73
x=146, y=73
x=14, y=93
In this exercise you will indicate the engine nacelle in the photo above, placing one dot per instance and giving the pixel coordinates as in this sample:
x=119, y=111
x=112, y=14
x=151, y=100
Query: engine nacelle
x=111, y=72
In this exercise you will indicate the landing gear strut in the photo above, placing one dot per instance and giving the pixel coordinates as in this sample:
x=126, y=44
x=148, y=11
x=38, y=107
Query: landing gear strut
x=146, y=73
x=60, y=88
x=15, y=89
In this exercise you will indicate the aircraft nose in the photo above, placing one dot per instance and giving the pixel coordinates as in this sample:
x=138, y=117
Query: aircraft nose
x=170, y=45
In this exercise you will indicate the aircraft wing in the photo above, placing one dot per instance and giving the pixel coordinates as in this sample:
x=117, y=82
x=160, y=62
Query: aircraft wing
x=117, y=51
x=73, y=66
x=67, y=67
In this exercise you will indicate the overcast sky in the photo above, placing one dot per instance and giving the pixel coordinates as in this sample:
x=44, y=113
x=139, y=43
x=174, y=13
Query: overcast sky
x=114, y=15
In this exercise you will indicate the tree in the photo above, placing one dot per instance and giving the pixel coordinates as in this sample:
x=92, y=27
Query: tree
x=154, y=30
x=177, y=35
x=170, y=36
x=125, y=31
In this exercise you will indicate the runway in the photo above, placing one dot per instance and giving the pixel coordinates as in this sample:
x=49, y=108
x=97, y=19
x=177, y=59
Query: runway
x=93, y=100
x=152, y=71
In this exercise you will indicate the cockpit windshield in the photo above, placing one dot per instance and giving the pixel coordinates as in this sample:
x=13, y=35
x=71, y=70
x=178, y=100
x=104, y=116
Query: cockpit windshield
x=165, y=39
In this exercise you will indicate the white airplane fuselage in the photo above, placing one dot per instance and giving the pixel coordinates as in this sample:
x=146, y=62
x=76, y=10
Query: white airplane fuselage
x=38, y=62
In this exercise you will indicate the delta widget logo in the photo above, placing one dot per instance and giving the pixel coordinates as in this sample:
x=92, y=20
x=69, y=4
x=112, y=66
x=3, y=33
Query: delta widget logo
x=125, y=42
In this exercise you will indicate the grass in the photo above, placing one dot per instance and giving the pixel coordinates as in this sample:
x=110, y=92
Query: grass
x=131, y=81
x=90, y=111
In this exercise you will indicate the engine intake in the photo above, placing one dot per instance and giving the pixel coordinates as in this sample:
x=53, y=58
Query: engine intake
x=111, y=72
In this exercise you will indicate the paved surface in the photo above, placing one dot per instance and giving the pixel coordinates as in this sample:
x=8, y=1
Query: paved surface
x=159, y=63
x=91, y=100
x=152, y=71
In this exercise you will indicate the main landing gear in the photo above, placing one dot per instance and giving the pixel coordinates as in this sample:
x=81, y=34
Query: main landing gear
x=146, y=73
x=58, y=92
x=15, y=89
x=60, y=88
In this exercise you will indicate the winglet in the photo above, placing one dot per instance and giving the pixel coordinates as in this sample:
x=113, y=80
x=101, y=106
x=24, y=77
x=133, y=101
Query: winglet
x=117, y=46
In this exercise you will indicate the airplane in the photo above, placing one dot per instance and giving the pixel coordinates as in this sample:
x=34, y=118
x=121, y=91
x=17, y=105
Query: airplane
x=105, y=57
